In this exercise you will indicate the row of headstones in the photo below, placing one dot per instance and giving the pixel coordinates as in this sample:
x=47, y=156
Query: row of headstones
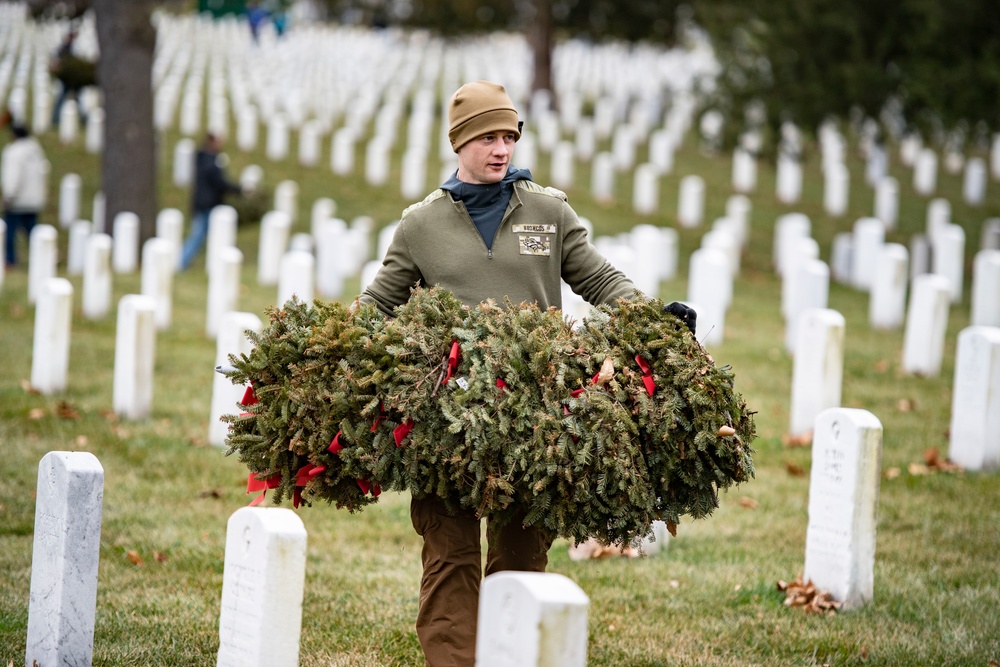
x=26, y=50
x=815, y=333
x=370, y=68
x=604, y=165
x=662, y=143
x=609, y=112
x=531, y=619
x=340, y=248
x=289, y=264
x=864, y=260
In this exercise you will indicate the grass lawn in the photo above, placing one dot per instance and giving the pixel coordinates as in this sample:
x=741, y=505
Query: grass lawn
x=709, y=600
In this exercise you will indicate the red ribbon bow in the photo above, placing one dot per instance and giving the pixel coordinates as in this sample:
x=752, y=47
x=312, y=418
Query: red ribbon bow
x=402, y=431
x=453, y=358
x=647, y=374
x=254, y=485
x=249, y=396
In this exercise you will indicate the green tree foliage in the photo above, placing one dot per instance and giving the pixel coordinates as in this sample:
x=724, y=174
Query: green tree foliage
x=935, y=64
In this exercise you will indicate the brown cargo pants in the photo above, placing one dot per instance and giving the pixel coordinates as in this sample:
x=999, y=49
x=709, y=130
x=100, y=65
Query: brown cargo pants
x=452, y=560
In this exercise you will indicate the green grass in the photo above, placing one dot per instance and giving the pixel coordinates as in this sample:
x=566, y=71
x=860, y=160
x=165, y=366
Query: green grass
x=709, y=600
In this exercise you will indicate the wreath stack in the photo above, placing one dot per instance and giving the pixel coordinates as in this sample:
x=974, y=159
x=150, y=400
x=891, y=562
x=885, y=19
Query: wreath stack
x=593, y=431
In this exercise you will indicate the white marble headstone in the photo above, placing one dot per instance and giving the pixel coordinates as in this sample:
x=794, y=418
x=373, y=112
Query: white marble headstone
x=836, y=189
x=125, y=242
x=69, y=199
x=531, y=619
x=646, y=189
x=64, y=559
x=263, y=581
x=926, y=323
x=157, y=278
x=869, y=236
x=135, y=355
x=710, y=285
x=691, y=203
x=42, y=258
x=843, y=504
x=986, y=289
x=789, y=179
x=975, y=405
x=925, y=172
x=50, y=348
x=223, y=288
x=97, y=278
x=818, y=370
x=887, y=201
x=948, y=258
x=602, y=177
x=887, y=302
x=989, y=236
x=232, y=339
x=170, y=228
x=76, y=252
x=275, y=229
x=297, y=277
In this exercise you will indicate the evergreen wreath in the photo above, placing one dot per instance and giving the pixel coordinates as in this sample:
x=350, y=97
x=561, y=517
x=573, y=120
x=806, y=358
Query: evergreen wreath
x=590, y=431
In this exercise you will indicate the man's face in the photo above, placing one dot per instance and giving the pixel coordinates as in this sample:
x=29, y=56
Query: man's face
x=486, y=158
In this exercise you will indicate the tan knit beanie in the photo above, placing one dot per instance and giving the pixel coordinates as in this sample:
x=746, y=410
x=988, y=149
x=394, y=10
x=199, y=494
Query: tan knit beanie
x=477, y=108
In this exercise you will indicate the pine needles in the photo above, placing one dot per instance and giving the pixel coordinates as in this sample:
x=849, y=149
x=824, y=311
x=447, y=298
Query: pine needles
x=594, y=432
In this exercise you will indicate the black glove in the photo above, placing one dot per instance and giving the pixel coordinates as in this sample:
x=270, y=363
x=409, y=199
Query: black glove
x=687, y=315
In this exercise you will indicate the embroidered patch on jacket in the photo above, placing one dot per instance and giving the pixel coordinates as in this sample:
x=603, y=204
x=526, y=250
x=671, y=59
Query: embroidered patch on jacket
x=534, y=229
x=534, y=245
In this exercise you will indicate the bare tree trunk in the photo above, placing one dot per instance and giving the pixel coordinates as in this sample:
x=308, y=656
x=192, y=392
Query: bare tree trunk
x=125, y=73
x=541, y=38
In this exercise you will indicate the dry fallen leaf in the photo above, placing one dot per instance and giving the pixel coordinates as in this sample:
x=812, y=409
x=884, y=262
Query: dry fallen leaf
x=607, y=371
x=66, y=411
x=26, y=386
x=672, y=528
x=211, y=493
x=81, y=441
x=160, y=557
x=36, y=413
x=892, y=473
x=592, y=549
x=748, y=503
x=794, y=469
x=134, y=557
x=797, y=440
x=805, y=594
x=881, y=366
x=905, y=405
x=934, y=461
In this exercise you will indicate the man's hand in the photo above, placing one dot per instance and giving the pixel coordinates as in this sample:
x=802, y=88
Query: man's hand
x=687, y=315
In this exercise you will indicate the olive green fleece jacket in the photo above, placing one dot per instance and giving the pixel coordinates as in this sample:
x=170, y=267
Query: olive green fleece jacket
x=540, y=240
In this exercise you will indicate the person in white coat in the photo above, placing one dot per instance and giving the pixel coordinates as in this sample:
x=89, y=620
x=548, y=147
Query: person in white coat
x=23, y=185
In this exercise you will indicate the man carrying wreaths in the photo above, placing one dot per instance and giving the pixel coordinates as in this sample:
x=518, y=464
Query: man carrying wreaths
x=489, y=232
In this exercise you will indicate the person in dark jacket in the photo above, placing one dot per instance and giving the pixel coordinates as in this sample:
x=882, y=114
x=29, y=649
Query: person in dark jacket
x=210, y=188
